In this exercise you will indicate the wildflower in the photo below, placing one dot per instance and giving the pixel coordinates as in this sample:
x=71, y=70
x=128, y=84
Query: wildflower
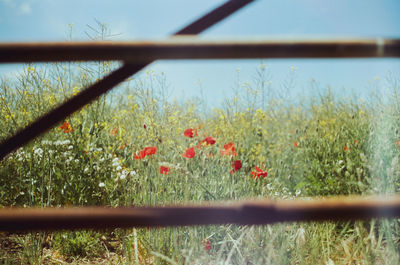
x=207, y=245
x=164, y=170
x=141, y=155
x=190, y=133
x=118, y=168
x=237, y=165
x=296, y=144
x=209, y=140
x=102, y=185
x=113, y=131
x=147, y=151
x=122, y=177
x=151, y=150
x=259, y=173
x=189, y=153
x=132, y=173
x=38, y=152
x=229, y=149
x=66, y=127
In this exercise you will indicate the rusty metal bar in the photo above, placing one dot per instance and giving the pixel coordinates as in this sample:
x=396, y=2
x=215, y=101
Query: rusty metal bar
x=192, y=48
x=245, y=213
x=50, y=119
x=213, y=17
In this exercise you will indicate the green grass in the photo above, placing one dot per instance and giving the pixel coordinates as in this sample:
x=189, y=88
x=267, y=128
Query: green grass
x=318, y=147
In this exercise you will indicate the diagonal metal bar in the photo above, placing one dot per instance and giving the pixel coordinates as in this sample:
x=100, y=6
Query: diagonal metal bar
x=50, y=119
x=240, y=213
x=193, y=48
x=213, y=17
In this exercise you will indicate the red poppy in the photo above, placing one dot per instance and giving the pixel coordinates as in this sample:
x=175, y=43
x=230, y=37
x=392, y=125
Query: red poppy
x=207, y=245
x=209, y=140
x=147, y=151
x=151, y=150
x=345, y=148
x=229, y=149
x=237, y=165
x=190, y=153
x=141, y=155
x=66, y=127
x=259, y=173
x=144, y=126
x=397, y=143
x=190, y=133
x=296, y=144
x=113, y=131
x=356, y=142
x=164, y=170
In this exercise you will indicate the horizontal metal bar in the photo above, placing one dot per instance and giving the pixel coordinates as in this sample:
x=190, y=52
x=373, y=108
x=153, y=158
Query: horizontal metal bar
x=244, y=213
x=192, y=48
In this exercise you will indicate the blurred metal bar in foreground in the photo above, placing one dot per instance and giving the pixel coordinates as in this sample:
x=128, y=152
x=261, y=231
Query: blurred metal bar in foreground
x=193, y=48
x=244, y=213
x=50, y=119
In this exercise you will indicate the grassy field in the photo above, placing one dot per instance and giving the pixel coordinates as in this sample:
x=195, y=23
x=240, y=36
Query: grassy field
x=135, y=147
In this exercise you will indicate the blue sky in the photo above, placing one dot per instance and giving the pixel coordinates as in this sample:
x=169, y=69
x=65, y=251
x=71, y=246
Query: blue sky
x=47, y=20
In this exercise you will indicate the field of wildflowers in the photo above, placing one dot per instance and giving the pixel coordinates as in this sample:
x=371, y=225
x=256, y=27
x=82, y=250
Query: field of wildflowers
x=134, y=147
